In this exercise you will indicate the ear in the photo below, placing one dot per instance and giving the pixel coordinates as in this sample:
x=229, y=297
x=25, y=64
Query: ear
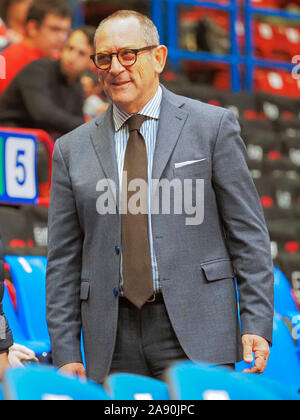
x=160, y=57
x=32, y=29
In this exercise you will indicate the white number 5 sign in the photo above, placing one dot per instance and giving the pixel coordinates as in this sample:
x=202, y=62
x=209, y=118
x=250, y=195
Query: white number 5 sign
x=20, y=170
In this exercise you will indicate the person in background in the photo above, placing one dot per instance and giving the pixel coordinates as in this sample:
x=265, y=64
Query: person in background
x=47, y=27
x=11, y=355
x=47, y=94
x=6, y=338
x=94, y=103
x=13, y=15
x=18, y=355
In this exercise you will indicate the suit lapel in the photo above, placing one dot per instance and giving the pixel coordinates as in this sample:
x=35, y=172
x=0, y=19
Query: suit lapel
x=103, y=140
x=171, y=123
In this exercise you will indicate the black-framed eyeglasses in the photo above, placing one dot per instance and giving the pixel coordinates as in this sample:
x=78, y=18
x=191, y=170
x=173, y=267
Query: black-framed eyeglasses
x=127, y=57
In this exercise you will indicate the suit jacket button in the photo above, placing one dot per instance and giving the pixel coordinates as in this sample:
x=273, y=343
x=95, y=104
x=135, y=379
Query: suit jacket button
x=117, y=249
x=116, y=292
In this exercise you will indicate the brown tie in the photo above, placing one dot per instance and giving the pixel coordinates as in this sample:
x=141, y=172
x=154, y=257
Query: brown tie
x=138, y=285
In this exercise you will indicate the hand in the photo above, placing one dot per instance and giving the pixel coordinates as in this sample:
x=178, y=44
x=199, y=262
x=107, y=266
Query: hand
x=74, y=369
x=4, y=364
x=18, y=354
x=260, y=347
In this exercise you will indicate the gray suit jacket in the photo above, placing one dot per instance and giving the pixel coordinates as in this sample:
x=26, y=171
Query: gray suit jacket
x=197, y=264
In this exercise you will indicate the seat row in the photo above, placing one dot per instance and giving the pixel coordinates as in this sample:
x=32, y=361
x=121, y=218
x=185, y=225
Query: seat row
x=183, y=381
x=24, y=230
x=28, y=276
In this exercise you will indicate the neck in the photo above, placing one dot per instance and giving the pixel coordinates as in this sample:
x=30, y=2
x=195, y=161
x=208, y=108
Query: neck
x=30, y=42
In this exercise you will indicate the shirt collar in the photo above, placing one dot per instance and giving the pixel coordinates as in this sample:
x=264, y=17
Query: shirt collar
x=151, y=110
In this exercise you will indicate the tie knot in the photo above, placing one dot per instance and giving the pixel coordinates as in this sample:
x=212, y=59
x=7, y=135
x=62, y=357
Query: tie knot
x=135, y=122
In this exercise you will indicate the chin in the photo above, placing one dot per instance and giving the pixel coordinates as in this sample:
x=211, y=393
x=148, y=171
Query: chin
x=122, y=100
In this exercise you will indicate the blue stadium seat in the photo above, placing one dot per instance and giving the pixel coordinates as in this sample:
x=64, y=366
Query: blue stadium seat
x=197, y=381
x=282, y=392
x=19, y=336
x=37, y=383
x=83, y=351
x=285, y=304
x=284, y=301
x=284, y=363
x=29, y=278
x=123, y=386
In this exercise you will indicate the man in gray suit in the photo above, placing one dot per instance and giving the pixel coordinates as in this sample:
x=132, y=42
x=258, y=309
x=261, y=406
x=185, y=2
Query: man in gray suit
x=152, y=287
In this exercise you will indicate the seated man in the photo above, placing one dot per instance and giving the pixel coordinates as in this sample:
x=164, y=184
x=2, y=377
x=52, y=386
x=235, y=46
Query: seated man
x=48, y=94
x=46, y=30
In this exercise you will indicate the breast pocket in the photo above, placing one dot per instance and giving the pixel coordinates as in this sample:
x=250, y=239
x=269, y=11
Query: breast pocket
x=200, y=169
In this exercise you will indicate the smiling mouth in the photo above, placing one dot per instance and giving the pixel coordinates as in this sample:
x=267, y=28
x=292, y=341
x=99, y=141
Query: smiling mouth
x=120, y=84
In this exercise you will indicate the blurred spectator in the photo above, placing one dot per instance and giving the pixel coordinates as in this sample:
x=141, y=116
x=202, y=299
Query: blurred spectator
x=94, y=103
x=13, y=14
x=46, y=30
x=20, y=354
x=6, y=340
x=48, y=94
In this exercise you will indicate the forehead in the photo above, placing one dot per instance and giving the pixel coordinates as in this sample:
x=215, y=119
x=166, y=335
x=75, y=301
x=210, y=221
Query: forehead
x=78, y=38
x=55, y=20
x=119, y=33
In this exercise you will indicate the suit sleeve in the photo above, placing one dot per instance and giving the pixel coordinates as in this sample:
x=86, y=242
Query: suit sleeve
x=245, y=228
x=64, y=267
x=6, y=339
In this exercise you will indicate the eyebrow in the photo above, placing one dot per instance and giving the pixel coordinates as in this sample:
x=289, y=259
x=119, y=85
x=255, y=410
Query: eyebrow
x=122, y=48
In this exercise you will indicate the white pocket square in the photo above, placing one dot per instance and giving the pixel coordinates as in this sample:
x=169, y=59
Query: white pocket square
x=188, y=163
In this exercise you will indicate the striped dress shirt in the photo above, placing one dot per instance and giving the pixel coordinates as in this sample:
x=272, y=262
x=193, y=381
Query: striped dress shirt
x=149, y=132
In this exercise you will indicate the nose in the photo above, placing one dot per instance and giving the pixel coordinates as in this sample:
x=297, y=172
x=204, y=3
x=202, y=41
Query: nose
x=116, y=67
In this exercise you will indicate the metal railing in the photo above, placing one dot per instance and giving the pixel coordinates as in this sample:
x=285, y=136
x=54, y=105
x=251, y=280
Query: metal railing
x=170, y=22
x=166, y=17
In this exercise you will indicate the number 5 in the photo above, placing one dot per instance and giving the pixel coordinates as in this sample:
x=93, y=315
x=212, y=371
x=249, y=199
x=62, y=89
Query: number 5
x=20, y=164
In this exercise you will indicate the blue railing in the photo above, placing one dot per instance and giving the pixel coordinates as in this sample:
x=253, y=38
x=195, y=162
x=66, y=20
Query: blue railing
x=176, y=54
x=165, y=16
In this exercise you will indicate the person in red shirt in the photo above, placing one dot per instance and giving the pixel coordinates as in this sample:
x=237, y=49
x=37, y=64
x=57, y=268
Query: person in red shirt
x=46, y=30
x=13, y=15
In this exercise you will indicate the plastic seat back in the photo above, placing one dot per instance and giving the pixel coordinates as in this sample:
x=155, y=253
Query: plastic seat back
x=124, y=386
x=196, y=381
x=36, y=383
x=284, y=301
x=19, y=336
x=29, y=277
x=1, y=394
x=282, y=392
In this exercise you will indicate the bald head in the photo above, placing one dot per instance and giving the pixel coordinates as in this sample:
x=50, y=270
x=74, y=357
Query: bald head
x=130, y=87
x=149, y=32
